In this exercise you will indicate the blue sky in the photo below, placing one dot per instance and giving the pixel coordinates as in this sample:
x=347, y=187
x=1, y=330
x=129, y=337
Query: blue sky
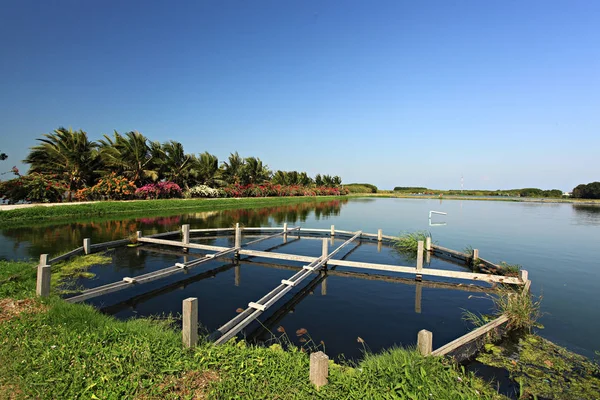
x=396, y=93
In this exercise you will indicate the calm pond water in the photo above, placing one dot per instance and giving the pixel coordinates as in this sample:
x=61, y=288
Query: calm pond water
x=556, y=243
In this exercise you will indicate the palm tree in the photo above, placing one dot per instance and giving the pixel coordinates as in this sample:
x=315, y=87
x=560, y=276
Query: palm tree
x=177, y=166
x=232, y=168
x=68, y=154
x=318, y=180
x=304, y=179
x=254, y=171
x=130, y=156
x=279, y=178
x=327, y=181
x=207, y=170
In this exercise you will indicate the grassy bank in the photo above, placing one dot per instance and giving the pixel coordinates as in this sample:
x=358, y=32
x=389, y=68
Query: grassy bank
x=142, y=207
x=53, y=349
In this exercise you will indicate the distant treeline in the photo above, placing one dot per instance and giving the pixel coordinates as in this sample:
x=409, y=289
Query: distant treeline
x=67, y=165
x=412, y=189
x=361, y=188
x=587, y=191
x=525, y=192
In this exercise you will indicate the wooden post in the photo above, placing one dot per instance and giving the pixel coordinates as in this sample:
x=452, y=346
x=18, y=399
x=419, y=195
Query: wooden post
x=475, y=255
x=524, y=275
x=87, y=246
x=418, y=295
x=332, y=230
x=285, y=228
x=238, y=275
x=428, y=243
x=419, y=259
x=190, y=322
x=319, y=369
x=43, y=277
x=379, y=235
x=185, y=236
x=425, y=342
x=238, y=236
x=138, y=234
x=238, y=240
x=325, y=250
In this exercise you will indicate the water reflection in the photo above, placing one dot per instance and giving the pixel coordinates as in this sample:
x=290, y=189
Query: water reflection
x=586, y=214
x=54, y=238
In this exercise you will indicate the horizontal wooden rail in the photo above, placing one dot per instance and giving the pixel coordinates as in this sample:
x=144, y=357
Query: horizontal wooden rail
x=109, y=244
x=469, y=337
x=352, y=264
x=151, y=276
x=66, y=255
x=273, y=236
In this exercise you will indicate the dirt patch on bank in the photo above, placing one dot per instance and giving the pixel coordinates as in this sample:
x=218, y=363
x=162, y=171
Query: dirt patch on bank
x=10, y=308
x=190, y=385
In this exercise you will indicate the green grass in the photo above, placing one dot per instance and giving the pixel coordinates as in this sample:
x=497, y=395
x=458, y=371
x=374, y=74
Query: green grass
x=407, y=243
x=73, y=351
x=521, y=308
x=24, y=216
x=17, y=279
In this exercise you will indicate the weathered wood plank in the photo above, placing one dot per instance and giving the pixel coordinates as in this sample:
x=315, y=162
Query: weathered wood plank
x=179, y=244
x=66, y=255
x=469, y=337
x=273, y=236
x=110, y=244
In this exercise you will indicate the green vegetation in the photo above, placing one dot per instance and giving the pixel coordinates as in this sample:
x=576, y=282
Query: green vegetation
x=17, y=279
x=545, y=370
x=52, y=349
x=142, y=207
x=589, y=191
x=510, y=269
x=407, y=243
x=65, y=273
x=521, y=308
x=411, y=189
x=361, y=188
x=68, y=165
x=525, y=192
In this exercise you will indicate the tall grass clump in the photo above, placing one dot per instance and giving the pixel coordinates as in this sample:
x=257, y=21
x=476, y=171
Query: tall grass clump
x=407, y=243
x=521, y=308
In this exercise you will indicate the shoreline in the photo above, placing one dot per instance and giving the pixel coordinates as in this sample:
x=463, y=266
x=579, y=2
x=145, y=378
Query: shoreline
x=588, y=202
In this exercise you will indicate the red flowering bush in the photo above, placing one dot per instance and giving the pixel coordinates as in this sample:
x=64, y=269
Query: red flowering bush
x=268, y=190
x=160, y=190
x=35, y=187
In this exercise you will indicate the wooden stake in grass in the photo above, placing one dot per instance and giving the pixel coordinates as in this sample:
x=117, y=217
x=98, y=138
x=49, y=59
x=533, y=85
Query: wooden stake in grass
x=319, y=368
x=190, y=322
x=425, y=342
x=43, y=277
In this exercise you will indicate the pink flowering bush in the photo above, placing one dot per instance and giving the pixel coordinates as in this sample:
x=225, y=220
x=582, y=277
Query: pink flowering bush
x=160, y=190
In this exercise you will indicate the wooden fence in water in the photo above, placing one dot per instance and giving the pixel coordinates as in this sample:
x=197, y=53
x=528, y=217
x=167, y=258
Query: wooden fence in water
x=312, y=264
